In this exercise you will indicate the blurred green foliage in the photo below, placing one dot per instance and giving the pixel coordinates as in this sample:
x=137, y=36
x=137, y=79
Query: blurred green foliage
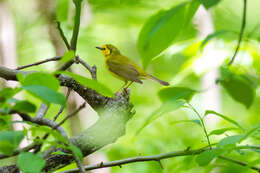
x=120, y=22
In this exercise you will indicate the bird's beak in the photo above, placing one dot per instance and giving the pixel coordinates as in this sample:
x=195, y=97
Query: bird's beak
x=100, y=48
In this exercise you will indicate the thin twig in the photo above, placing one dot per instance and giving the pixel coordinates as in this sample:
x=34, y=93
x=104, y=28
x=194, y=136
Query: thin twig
x=239, y=162
x=202, y=123
x=63, y=35
x=156, y=158
x=79, y=165
x=62, y=108
x=74, y=38
x=40, y=62
x=71, y=115
x=92, y=70
x=240, y=34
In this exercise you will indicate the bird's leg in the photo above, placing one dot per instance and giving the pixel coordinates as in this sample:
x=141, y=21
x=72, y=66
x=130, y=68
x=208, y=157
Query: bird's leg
x=122, y=86
x=129, y=84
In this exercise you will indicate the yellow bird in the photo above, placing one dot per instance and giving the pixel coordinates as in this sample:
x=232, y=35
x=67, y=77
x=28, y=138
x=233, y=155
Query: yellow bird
x=124, y=68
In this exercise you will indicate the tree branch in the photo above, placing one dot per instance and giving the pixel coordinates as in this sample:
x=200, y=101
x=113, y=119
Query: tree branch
x=161, y=157
x=40, y=62
x=240, y=34
x=62, y=35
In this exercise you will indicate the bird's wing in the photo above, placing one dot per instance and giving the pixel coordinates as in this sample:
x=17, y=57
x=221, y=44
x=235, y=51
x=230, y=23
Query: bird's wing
x=124, y=70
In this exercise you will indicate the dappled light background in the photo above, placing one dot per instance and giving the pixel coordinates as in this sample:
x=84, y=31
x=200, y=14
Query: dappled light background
x=183, y=64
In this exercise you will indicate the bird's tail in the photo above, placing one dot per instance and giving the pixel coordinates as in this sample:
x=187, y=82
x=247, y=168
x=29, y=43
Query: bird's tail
x=157, y=80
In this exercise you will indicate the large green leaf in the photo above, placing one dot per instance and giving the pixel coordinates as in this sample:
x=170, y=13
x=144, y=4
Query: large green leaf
x=163, y=28
x=229, y=141
x=221, y=131
x=9, y=141
x=93, y=84
x=43, y=79
x=238, y=87
x=30, y=163
x=175, y=93
x=46, y=94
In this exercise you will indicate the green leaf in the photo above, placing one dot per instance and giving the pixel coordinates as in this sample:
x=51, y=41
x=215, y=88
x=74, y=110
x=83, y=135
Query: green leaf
x=46, y=94
x=211, y=36
x=61, y=153
x=24, y=106
x=221, y=131
x=163, y=28
x=209, y=3
x=30, y=163
x=76, y=151
x=62, y=10
x=69, y=55
x=224, y=117
x=206, y=157
x=43, y=79
x=175, y=93
x=250, y=131
x=7, y=93
x=93, y=84
x=196, y=121
x=163, y=109
x=9, y=141
x=238, y=87
x=229, y=141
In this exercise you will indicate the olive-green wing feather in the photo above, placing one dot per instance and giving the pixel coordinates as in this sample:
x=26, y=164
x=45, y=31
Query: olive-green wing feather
x=126, y=71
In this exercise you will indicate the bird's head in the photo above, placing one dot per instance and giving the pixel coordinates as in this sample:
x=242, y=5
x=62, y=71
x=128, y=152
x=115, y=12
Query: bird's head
x=108, y=50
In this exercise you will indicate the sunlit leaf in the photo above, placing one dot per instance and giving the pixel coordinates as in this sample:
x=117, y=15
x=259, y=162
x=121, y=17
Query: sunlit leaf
x=196, y=121
x=93, y=84
x=238, y=87
x=76, y=151
x=46, y=94
x=224, y=117
x=163, y=28
x=30, y=163
x=69, y=55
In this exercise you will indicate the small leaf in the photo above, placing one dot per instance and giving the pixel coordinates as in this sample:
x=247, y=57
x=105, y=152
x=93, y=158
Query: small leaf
x=221, y=131
x=175, y=93
x=24, y=106
x=69, y=55
x=76, y=151
x=7, y=93
x=46, y=94
x=196, y=121
x=224, y=117
x=250, y=131
x=43, y=79
x=206, y=157
x=209, y=3
x=229, y=141
x=93, y=84
x=211, y=36
x=30, y=163
x=238, y=87
x=163, y=28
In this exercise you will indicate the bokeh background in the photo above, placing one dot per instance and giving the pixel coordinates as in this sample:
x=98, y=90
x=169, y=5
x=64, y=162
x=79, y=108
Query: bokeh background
x=28, y=34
